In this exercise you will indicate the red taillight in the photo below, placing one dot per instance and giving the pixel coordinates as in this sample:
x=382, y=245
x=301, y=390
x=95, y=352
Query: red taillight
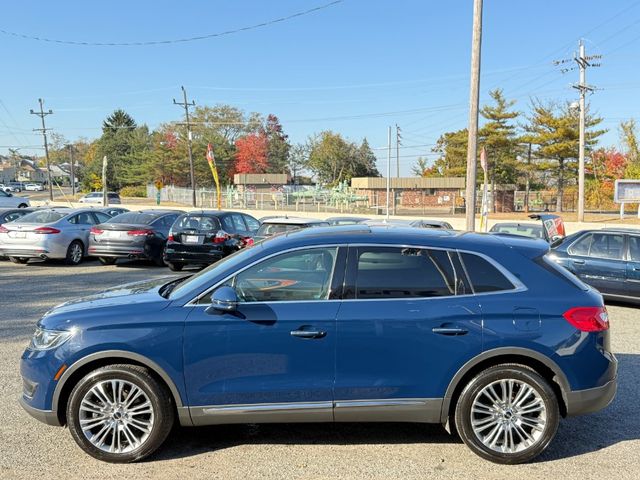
x=3, y=229
x=139, y=233
x=220, y=237
x=588, y=319
x=96, y=231
x=249, y=241
x=171, y=238
x=46, y=230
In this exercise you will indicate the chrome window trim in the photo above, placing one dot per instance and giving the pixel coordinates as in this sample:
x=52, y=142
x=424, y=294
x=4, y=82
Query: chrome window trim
x=517, y=284
x=194, y=301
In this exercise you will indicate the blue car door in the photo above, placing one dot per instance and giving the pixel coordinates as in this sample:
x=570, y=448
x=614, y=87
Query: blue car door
x=407, y=324
x=275, y=355
x=632, y=278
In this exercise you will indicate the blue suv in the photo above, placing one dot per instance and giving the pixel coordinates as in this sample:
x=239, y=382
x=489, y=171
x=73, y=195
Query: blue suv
x=481, y=333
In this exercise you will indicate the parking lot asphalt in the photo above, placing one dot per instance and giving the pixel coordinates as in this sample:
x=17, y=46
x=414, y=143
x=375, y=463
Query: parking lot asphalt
x=599, y=446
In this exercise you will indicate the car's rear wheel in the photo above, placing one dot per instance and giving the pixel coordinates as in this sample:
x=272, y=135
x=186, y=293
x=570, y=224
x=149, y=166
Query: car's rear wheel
x=119, y=413
x=75, y=252
x=175, y=267
x=23, y=205
x=107, y=260
x=20, y=260
x=507, y=414
x=158, y=261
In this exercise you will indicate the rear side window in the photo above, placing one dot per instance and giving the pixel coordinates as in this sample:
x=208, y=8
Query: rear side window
x=238, y=222
x=581, y=247
x=42, y=217
x=606, y=245
x=634, y=248
x=201, y=223
x=483, y=275
x=252, y=223
x=389, y=272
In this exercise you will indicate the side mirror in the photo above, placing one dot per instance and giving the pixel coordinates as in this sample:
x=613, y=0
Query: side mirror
x=224, y=299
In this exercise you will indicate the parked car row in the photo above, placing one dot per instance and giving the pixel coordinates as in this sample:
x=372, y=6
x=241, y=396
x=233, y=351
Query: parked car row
x=8, y=199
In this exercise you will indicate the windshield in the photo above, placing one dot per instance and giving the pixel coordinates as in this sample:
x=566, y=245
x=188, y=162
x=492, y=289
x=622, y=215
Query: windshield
x=205, y=277
x=202, y=223
x=134, y=218
x=268, y=229
x=47, y=216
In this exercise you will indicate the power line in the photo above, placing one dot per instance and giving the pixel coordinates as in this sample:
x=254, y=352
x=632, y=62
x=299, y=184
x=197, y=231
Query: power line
x=171, y=41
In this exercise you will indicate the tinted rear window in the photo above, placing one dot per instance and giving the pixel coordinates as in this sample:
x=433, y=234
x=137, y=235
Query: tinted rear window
x=483, y=275
x=43, y=217
x=134, y=218
x=201, y=223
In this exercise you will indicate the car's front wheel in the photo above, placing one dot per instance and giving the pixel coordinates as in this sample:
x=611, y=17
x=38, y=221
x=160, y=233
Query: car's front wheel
x=119, y=413
x=21, y=260
x=507, y=414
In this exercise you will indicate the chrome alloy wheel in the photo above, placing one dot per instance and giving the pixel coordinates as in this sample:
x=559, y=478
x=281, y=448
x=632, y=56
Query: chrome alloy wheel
x=76, y=253
x=508, y=416
x=116, y=416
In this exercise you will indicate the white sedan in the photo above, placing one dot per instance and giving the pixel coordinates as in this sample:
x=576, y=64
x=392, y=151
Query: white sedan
x=34, y=187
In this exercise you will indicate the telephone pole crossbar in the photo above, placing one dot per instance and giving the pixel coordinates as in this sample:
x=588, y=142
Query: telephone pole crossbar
x=186, y=104
x=42, y=114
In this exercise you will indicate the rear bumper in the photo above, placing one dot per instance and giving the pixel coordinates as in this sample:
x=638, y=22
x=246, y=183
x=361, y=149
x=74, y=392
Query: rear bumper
x=203, y=258
x=31, y=252
x=118, y=252
x=591, y=400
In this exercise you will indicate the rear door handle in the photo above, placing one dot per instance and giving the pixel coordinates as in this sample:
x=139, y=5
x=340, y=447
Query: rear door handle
x=450, y=331
x=578, y=262
x=308, y=334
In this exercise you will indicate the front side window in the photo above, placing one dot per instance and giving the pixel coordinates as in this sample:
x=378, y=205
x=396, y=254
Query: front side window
x=607, y=246
x=302, y=275
x=390, y=272
x=581, y=247
x=634, y=248
x=484, y=276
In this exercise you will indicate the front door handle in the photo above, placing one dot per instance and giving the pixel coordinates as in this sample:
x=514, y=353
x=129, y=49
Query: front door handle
x=578, y=262
x=450, y=331
x=308, y=334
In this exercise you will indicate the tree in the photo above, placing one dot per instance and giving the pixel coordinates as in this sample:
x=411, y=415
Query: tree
x=366, y=160
x=333, y=159
x=252, y=153
x=420, y=167
x=554, y=130
x=278, y=146
x=118, y=120
x=452, y=148
x=298, y=159
x=498, y=136
x=630, y=141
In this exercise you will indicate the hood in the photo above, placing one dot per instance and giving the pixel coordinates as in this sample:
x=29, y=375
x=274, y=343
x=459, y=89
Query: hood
x=132, y=293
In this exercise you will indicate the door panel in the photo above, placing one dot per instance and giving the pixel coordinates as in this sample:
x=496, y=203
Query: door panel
x=398, y=345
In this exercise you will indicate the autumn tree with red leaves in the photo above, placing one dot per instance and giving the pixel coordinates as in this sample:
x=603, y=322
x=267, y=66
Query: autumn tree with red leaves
x=251, y=154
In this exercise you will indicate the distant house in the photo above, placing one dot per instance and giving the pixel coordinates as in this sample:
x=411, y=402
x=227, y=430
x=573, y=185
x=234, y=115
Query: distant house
x=30, y=172
x=7, y=173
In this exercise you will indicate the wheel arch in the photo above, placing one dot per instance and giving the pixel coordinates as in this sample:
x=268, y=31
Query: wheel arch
x=80, y=368
x=542, y=364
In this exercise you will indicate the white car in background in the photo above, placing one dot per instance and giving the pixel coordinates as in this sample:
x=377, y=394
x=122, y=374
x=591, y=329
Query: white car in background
x=9, y=200
x=34, y=187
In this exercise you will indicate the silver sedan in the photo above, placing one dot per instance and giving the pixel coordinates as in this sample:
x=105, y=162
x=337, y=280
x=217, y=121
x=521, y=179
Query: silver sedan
x=53, y=233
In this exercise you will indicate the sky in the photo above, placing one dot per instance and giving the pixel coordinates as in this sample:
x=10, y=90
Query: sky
x=355, y=67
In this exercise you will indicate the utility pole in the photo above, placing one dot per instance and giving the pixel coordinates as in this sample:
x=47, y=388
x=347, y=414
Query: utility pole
x=44, y=129
x=474, y=99
x=192, y=174
x=528, y=183
x=583, y=62
x=73, y=174
x=388, y=170
x=398, y=138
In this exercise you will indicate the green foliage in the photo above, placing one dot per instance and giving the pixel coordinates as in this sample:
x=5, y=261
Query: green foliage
x=333, y=159
x=139, y=191
x=452, y=147
x=630, y=141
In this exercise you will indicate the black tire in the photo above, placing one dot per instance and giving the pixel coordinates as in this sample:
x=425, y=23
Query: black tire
x=107, y=260
x=23, y=205
x=175, y=267
x=157, y=394
x=158, y=261
x=20, y=260
x=542, y=393
x=75, y=253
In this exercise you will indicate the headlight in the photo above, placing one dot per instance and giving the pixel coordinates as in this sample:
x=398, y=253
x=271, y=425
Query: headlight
x=48, y=339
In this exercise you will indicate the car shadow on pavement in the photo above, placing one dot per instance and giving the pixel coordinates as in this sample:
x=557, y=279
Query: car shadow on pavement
x=576, y=436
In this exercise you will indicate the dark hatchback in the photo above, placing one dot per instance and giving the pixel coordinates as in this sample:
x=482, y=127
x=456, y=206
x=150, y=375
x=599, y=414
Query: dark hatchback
x=202, y=238
x=608, y=260
x=10, y=214
x=134, y=235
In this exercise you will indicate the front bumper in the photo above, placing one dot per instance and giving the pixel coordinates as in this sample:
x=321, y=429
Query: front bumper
x=580, y=402
x=45, y=416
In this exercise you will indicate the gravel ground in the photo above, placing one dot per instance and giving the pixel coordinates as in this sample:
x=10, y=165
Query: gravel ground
x=600, y=446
